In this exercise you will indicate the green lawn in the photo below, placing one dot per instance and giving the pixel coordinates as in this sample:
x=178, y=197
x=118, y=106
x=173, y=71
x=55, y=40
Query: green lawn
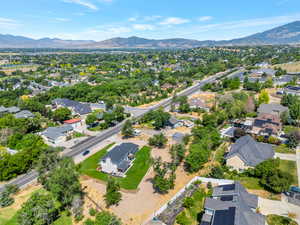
x=279, y=220
x=250, y=183
x=63, y=220
x=284, y=149
x=134, y=175
x=288, y=129
x=291, y=168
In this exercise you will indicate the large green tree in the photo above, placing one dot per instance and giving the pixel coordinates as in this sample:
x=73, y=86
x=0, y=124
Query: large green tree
x=113, y=195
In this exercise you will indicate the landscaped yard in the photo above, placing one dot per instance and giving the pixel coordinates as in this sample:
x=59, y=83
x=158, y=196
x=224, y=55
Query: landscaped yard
x=291, y=168
x=134, y=175
x=284, y=149
x=280, y=220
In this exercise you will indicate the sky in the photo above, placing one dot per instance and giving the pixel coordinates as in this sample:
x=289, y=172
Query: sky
x=156, y=19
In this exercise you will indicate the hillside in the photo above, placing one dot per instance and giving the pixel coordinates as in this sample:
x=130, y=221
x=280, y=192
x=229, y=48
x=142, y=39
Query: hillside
x=286, y=34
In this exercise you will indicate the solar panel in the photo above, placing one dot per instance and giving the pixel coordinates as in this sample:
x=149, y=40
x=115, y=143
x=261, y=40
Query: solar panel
x=224, y=217
x=227, y=198
x=229, y=187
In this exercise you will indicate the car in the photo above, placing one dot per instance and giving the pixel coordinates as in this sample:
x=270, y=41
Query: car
x=86, y=152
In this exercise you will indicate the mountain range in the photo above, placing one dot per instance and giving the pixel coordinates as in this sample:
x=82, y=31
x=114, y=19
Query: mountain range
x=286, y=34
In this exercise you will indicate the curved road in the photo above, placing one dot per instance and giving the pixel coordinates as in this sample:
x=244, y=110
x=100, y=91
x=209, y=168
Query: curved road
x=94, y=140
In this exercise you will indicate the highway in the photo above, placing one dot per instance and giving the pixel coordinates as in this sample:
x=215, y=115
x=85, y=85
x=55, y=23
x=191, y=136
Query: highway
x=94, y=140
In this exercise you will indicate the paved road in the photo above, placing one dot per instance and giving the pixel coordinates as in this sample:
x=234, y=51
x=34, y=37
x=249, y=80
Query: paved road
x=94, y=140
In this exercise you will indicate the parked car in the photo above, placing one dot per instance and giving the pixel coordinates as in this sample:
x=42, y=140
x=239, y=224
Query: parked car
x=86, y=152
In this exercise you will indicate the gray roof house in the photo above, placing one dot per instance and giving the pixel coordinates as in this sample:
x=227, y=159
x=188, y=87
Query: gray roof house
x=76, y=107
x=56, y=135
x=231, y=204
x=24, y=114
x=119, y=159
x=283, y=79
x=13, y=109
x=246, y=152
x=273, y=108
x=293, y=90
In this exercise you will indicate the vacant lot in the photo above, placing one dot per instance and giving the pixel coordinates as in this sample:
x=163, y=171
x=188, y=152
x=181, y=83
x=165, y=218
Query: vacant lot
x=290, y=67
x=134, y=175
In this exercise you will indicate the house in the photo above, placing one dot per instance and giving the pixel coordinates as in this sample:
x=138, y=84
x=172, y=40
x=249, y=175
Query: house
x=98, y=106
x=273, y=108
x=77, y=108
x=13, y=109
x=247, y=153
x=197, y=103
x=228, y=132
x=178, y=137
x=56, y=135
x=119, y=159
x=174, y=123
x=293, y=90
x=24, y=114
x=75, y=123
x=261, y=71
x=231, y=204
x=266, y=124
x=282, y=80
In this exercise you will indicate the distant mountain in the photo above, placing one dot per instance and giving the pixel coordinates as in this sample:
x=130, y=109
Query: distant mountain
x=286, y=34
x=10, y=41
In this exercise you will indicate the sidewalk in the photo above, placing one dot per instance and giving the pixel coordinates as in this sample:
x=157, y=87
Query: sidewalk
x=298, y=163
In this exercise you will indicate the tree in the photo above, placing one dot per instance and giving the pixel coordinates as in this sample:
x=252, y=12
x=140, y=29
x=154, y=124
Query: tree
x=158, y=140
x=90, y=119
x=113, y=195
x=47, y=162
x=263, y=97
x=197, y=157
x=63, y=182
x=238, y=132
x=127, y=129
x=277, y=181
x=164, y=177
x=293, y=139
x=104, y=218
x=266, y=167
x=39, y=209
x=177, y=153
x=62, y=114
x=217, y=172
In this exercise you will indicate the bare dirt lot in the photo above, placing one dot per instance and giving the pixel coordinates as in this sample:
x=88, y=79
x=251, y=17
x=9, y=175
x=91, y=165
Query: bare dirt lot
x=290, y=67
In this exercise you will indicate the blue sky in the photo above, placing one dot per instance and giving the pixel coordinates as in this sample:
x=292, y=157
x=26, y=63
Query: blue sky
x=158, y=19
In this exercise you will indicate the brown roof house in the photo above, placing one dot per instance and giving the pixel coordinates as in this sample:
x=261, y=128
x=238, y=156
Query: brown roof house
x=247, y=153
x=267, y=124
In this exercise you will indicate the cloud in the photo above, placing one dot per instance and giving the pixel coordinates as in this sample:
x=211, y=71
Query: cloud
x=62, y=19
x=152, y=18
x=8, y=23
x=205, y=18
x=132, y=19
x=174, y=21
x=143, y=27
x=83, y=3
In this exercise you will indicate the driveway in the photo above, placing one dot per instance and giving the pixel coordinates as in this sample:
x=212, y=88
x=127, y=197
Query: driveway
x=290, y=157
x=282, y=208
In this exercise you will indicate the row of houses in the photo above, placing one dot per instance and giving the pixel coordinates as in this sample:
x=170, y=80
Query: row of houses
x=18, y=113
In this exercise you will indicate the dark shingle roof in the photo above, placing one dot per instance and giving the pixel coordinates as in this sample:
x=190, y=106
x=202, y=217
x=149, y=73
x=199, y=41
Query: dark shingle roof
x=237, y=210
x=119, y=154
x=250, y=151
x=78, y=107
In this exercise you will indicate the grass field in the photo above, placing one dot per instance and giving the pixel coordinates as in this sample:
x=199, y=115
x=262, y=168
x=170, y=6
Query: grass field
x=284, y=149
x=291, y=168
x=133, y=176
x=279, y=220
x=289, y=67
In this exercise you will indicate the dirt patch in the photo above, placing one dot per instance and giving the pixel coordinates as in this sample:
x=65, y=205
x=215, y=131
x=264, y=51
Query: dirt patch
x=265, y=194
x=289, y=67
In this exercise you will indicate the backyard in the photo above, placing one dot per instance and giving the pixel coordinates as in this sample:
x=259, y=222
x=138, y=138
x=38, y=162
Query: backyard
x=134, y=175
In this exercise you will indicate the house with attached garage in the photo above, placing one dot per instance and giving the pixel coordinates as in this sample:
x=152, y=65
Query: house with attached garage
x=117, y=161
x=57, y=135
x=77, y=108
x=76, y=123
x=247, y=153
x=231, y=204
x=273, y=108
